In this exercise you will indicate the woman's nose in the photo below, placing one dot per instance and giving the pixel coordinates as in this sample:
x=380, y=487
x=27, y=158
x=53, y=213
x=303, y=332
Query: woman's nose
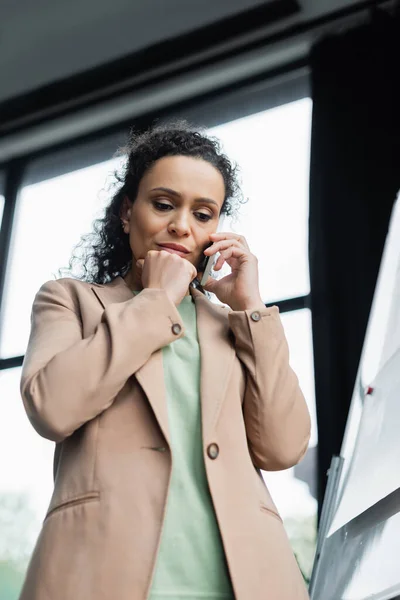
x=179, y=226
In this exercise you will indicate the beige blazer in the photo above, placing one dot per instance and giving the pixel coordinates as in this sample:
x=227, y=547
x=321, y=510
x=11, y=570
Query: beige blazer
x=92, y=381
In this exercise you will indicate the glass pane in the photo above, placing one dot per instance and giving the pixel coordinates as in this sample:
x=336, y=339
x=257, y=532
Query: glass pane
x=25, y=485
x=298, y=330
x=272, y=149
x=294, y=497
x=50, y=218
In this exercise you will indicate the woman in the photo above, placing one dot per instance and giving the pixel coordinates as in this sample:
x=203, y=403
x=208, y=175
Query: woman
x=163, y=405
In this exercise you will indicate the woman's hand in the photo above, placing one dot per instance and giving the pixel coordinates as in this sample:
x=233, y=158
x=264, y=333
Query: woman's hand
x=240, y=289
x=162, y=270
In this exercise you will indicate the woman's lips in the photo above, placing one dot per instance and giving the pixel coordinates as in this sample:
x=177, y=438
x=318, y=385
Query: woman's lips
x=172, y=251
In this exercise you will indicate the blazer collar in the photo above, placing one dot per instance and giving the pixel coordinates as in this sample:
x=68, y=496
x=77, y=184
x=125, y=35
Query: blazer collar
x=216, y=353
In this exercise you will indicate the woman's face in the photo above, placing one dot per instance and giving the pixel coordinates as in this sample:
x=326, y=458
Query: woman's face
x=179, y=201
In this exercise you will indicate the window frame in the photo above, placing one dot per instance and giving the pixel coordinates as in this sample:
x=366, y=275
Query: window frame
x=262, y=93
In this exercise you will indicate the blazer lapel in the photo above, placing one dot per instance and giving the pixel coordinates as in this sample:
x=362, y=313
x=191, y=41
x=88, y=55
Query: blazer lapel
x=216, y=353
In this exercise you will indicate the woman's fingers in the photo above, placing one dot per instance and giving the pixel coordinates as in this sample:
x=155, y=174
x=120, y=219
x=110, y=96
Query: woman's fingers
x=221, y=245
x=230, y=237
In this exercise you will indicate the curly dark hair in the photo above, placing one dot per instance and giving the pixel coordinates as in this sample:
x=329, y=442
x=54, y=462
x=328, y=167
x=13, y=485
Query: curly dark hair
x=105, y=253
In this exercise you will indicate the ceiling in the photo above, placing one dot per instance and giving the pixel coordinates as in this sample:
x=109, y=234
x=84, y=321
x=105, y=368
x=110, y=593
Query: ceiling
x=49, y=40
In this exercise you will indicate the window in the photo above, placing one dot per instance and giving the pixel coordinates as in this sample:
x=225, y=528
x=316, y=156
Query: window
x=272, y=150
x=50, y=218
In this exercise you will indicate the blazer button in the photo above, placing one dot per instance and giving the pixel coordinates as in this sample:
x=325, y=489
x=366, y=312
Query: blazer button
x=255, y=315
x=176, y=328
x=213, y=451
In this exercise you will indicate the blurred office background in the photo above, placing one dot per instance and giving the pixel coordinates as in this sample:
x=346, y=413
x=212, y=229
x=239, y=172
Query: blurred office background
x=300, y=94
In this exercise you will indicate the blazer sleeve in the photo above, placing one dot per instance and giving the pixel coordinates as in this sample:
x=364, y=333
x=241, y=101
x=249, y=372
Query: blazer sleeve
x=276, y=415
x=67, y=379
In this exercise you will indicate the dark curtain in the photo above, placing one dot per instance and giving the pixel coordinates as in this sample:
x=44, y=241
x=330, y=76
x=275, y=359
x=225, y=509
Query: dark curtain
x=354, y=178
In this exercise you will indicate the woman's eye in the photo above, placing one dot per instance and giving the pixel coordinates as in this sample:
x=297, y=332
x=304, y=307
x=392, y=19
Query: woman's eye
x=206, y=217
x=162, y=205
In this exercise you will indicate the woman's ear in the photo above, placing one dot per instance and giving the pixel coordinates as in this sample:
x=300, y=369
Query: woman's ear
x=125, y=213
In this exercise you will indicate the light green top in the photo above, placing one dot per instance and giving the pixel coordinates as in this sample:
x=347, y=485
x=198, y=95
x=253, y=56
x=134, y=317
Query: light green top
x=191, y=562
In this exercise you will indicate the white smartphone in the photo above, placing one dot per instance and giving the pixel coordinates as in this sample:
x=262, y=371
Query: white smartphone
x=210, y=260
